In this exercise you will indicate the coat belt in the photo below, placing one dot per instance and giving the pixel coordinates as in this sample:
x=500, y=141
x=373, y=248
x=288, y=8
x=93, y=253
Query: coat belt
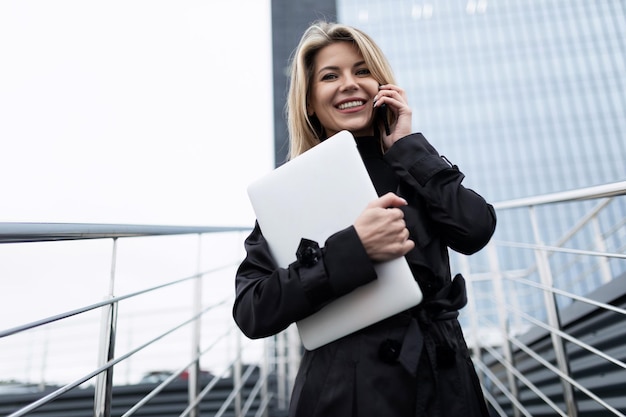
x=444, y=305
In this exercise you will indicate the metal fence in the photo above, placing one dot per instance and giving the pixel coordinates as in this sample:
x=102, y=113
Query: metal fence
x=100, y=377
x=548, y=337
x=544, y=321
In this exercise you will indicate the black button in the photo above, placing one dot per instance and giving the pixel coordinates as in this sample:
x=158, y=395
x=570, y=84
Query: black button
x=389, y=351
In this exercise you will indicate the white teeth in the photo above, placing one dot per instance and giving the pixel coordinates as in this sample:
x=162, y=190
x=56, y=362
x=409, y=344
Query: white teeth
x=350, y=104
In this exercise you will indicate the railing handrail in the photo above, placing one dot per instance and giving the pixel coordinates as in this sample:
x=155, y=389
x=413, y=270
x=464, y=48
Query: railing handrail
x=549, y=248
x=46, y=232
x=16, y=232
x=588, y=193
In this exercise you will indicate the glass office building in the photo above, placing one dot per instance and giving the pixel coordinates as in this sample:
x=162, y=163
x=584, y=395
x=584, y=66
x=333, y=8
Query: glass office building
x=527, y=97
x=530, y=97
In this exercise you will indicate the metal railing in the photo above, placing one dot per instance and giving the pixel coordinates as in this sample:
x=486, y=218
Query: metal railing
x=542, y=331
x=257, y=393
x=531, y=305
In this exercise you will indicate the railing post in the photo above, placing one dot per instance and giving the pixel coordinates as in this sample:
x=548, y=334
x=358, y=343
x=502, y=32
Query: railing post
x=103, y=393
x=237, y=375
x=472, y=312
x=265, y=370
x=194, y=371
x=281, y=374
x=553, y=317
x=44, y=360
x=605, y=267
x=503, y=322
x=294, y=355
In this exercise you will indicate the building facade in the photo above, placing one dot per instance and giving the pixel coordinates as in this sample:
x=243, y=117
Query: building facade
x=530, y=97
x=289, y=20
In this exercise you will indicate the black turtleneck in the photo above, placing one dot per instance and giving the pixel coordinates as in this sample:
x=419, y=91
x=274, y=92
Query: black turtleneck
x=380, y=172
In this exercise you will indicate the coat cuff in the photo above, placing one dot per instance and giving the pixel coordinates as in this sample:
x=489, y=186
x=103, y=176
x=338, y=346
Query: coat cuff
x=418, y=157
x=347, y=264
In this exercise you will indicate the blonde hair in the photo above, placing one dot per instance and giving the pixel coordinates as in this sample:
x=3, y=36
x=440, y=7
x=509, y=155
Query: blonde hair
x=305, y=132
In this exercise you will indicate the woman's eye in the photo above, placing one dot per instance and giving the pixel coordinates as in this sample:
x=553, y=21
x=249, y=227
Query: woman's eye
x=327, y=77
x=363, y=71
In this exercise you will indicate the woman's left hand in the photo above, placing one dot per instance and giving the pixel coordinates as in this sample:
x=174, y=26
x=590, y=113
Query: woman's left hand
x=396, y=101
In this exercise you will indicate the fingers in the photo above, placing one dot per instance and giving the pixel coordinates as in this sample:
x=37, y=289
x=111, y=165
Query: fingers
x=393, y=247
x=401, y=247
x=382, y=229
x=396, y=98
x=402, y=244
x=388, y=200
x=391, y=91
x=407, y=246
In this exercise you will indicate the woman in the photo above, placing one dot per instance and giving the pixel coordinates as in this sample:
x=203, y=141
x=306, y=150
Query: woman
x=412, y=364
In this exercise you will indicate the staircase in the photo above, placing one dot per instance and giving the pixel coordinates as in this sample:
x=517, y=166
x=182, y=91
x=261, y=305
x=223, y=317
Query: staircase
x=170, y=402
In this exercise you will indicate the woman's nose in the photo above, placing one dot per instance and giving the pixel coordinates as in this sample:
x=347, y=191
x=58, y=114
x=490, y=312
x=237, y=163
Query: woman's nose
x=349, y=83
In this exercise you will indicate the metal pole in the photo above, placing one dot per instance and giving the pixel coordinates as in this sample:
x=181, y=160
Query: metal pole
x=295, y=354
x=265, y=375
x=194, y=369
x=279, y=355
x=605, y=267
x=44, y=360
x=103, y=394
x=472, y=312
x=553, y=317
x=237, y=370
x=500, y=296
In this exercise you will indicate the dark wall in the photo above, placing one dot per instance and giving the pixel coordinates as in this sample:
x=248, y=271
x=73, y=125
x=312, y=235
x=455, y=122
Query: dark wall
x=290, y=18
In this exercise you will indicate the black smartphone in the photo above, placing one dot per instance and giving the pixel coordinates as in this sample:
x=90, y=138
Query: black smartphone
x=381, y=113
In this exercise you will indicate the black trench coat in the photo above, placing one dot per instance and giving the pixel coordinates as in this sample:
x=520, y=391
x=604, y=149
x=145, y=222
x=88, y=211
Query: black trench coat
x=412, y=364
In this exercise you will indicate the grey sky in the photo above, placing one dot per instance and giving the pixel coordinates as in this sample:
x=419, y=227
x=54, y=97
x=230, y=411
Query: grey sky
x=140, y=112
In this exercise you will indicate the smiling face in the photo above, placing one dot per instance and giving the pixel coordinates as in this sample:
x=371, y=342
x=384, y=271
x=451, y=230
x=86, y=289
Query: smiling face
x=342, y=90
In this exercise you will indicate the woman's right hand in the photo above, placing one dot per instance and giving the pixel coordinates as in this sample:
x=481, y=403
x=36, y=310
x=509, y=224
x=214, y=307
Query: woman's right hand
x=382, y=229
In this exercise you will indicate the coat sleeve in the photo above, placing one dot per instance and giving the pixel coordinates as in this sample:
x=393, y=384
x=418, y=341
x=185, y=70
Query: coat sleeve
x=463, y=218
x=269, y=298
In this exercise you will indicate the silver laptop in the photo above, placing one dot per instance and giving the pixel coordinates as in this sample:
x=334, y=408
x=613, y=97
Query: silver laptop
x=313, y=196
